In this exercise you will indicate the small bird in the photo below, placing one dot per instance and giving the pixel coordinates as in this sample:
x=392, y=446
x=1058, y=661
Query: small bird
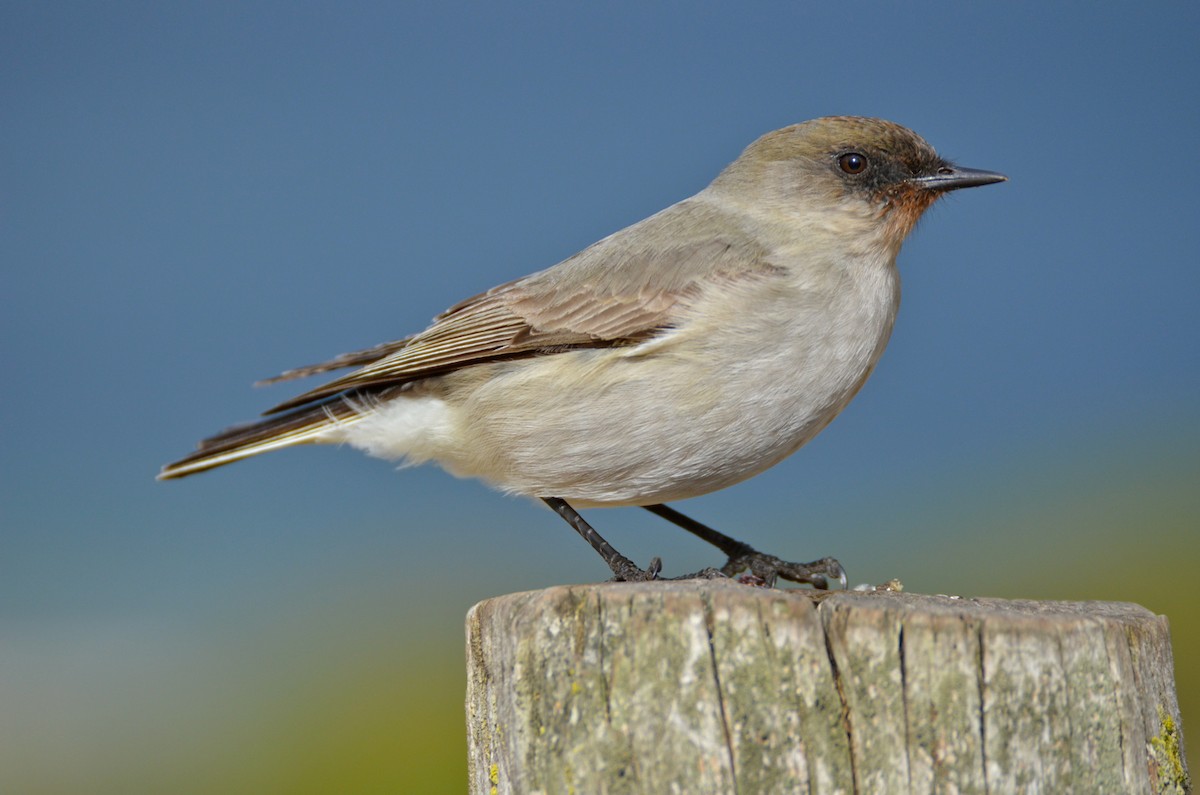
x=680, y=355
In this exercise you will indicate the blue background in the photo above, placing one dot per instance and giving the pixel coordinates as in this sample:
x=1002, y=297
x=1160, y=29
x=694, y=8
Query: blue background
x=194, y=196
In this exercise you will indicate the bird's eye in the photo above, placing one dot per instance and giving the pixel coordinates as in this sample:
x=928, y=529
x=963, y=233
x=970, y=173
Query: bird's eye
x=852, y=163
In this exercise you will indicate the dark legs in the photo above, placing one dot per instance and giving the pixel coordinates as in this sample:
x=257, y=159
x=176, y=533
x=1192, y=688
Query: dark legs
x=764, y=569
x=623, y=568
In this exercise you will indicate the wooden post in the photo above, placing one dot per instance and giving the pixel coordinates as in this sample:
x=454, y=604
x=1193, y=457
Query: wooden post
x=699, y=687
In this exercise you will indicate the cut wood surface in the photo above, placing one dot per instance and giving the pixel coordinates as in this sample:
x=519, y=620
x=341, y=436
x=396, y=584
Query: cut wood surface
x=698, y=687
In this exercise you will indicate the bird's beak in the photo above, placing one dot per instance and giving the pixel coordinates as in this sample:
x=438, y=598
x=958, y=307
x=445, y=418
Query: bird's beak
x=950, y=177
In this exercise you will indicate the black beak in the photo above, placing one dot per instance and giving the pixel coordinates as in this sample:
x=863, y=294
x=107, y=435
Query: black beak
x=949, y=177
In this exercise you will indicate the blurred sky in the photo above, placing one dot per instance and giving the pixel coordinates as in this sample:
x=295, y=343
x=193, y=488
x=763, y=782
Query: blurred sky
x=197, y=195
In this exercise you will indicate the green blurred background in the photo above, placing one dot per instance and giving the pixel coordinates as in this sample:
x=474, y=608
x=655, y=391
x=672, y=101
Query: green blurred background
x=196, y=195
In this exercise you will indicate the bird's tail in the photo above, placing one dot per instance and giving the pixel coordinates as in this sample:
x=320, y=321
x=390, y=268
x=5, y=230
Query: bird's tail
x=320, y=424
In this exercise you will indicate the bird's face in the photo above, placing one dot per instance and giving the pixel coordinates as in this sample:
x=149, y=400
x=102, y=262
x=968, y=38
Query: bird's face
x=848, y=174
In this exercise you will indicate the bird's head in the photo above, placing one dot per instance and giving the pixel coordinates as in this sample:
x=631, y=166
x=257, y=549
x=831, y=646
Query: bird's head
x=861, y=170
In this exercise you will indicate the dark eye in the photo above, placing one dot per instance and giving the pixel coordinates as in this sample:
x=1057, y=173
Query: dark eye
x=852, y=163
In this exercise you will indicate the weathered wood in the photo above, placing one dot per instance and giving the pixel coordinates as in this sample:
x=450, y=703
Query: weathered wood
x=695, y=687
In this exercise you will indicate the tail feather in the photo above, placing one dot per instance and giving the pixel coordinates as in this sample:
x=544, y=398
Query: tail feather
x=309, y=425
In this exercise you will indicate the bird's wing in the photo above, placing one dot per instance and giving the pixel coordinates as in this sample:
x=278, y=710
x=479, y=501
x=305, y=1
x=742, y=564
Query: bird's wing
x=352, y=359
x=622, y=290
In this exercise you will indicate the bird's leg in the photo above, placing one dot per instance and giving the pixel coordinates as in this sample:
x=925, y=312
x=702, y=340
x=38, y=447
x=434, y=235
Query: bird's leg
x=765, y=568
x=623, y=569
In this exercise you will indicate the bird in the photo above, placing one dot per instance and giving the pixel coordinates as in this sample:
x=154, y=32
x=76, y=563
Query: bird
x=681, y=355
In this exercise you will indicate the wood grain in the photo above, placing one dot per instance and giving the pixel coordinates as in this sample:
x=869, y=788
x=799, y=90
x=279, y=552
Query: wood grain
x=699, y=687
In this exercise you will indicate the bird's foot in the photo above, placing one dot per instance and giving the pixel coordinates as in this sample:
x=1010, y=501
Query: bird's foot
x=763, y=570
x=625, y=570
x=756, y=568
x=631, y=573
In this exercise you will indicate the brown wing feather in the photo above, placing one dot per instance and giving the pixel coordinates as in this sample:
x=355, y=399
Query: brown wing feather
x=622, y=290
x=352, y=359
x=482, y=331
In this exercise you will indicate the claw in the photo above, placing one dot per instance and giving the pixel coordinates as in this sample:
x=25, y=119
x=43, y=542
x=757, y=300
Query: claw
x=655, y=568
x=841, y=575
